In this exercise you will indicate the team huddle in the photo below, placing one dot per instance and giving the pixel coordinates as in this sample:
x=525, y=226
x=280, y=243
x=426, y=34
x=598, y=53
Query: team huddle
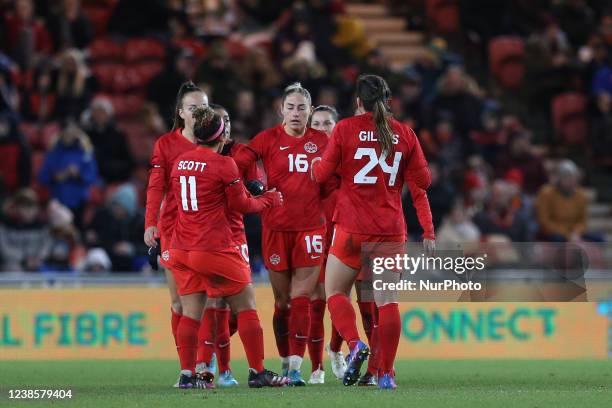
x=329, y=187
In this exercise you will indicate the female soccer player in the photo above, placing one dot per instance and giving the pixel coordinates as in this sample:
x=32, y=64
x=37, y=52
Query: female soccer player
x=374, y=155
x=324, y=118
x=207, y=184
x=293, y=234
x=160, y=219
x=214, y=334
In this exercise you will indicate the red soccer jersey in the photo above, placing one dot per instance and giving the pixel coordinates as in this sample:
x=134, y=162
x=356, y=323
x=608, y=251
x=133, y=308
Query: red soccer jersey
x=369, y=200
x=205, y=185
x=236, y=218
x=286, y=161
x=165, y=152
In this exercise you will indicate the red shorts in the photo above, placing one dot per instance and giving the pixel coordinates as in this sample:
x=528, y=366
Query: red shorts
x=219, y=274
x=346, y=246
x=286, y=250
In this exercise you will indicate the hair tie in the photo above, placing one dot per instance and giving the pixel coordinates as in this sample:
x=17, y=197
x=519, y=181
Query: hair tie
x=216, y=135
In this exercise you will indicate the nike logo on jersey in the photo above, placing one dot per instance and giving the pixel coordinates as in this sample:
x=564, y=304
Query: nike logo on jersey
x=315, y=257
x=284, y=147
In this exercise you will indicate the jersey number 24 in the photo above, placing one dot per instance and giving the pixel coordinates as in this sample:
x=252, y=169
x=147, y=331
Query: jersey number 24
x=362, y=175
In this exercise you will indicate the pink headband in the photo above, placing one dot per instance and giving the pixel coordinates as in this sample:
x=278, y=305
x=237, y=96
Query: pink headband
x=217, y=133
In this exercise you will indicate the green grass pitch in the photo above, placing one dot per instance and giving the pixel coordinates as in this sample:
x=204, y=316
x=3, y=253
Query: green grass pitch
x=421, y=384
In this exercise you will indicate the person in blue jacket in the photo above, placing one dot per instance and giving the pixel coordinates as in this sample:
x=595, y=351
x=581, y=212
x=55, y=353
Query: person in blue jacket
x=69, y=169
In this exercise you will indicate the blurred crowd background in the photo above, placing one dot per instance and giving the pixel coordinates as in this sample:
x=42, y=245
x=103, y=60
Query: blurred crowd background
x=511, y=100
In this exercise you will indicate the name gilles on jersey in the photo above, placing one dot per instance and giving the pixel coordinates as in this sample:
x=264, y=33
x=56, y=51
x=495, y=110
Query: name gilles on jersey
x=190, y=165
x=369, y=136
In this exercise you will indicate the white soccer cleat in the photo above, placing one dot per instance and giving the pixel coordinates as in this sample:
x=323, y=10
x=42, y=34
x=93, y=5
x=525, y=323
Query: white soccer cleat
x=338, y=363
x=317, y=377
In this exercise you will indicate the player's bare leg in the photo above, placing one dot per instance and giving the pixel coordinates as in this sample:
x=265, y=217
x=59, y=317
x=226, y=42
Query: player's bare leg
x=316, y=339
x=338, y=281
x=251, y=335
x=303, y=282
x=281, y=288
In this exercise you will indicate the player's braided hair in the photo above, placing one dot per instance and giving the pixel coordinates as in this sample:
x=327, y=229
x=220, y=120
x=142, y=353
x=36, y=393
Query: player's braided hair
x=375, y=94
x=208, y=126
x=186, y=88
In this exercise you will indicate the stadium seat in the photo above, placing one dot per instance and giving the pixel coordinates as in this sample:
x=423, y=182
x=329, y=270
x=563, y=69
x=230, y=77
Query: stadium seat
x=507, y=60
x=570, y=121
x=443, y=15
x=147, y=70
x=141, y=49
x=99, y=16
x=105, y=50
x=31, y=133
x=127, y=105
x=106, y=73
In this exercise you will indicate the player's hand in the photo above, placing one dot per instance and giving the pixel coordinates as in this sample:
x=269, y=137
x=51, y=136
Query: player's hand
x=430, y=246
x=149, y=236
x=275, y=196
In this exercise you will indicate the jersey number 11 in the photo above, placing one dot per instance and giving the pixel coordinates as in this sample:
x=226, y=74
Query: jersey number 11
x=193, y=198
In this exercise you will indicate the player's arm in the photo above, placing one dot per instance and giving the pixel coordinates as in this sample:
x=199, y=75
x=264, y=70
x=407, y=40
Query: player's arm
x=417, y=170
x=323, y=168
x=421, y=205
x=247, y=157
x=156, y=189
x=238, y=198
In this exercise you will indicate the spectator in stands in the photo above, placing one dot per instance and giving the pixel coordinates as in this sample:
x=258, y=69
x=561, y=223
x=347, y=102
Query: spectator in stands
x=548, y=55
x=24, y=237
x=444, y=145
x=456, y=97
x=520, y=157
x=411, y=99
x=258, y=72
x=601, y=128
x=64, y=238
x=117, y=228
x=69, y=169
x=218, y=71
x=134, y=18
x=500, y=217
x=26, y=37
x=16, y=163
x=562, y=207
x=97, y=260
x=9, y=98
x=577, y=19
x=246, y=122
x=162, y=88
x=115, y=162
x=39, y=102
x=457, y=227
x=75, y=84
x=70, y=27
x=439, y=194
x=490, y=138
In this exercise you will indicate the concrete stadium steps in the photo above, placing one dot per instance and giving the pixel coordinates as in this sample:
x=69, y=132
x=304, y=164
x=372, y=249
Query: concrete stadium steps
x=389, y=33
x=400, y=38
x=385, y=24
x=363, y=10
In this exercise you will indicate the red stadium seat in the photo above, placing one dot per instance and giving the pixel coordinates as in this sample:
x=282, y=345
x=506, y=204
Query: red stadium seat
x=147, y=70
x=507, y=60
x=99, y=16
x=105, y=50
x=32, y=134
x=443, y=15
x=141, y=49
x=105, y=73
x=127, y=105
x=570, y=121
